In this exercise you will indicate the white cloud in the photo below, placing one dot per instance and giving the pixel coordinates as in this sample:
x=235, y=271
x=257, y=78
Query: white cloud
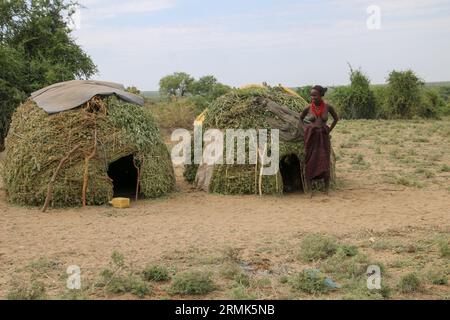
x=112, y=8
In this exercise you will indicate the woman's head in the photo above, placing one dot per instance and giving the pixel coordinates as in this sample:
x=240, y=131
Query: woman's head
x=317, y=93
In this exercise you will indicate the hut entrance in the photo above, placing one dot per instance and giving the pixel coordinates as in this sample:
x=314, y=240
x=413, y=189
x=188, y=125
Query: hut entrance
x=124, y=176
x=290, y=169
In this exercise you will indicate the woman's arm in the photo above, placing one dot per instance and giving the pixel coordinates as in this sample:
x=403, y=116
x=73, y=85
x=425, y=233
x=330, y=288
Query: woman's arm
x=335, y=117
x=304, y=114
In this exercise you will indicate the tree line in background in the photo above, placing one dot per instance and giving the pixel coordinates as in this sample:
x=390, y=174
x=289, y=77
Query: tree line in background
x=36, y=50
x=405, y=96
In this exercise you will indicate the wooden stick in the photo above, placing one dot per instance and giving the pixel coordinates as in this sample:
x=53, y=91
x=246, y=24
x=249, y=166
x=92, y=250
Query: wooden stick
x=138, y=178
x=55, y=174
x=256, y=166
x=262, y=169
x=86, y=169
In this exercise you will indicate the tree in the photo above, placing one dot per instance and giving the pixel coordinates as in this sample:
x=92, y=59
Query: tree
x=362, y=99
x=133, y=90
x=209, y=88
x=356, y=101
x=36, y=50
x=177, y=84
x=203, y=86
x=404, y=94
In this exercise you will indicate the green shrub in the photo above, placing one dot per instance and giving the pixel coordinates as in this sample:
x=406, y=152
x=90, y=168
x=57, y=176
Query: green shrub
x=410, y=283
x=192, y=283
x=316, y=247
x=348, y=250
x=438, y=276
x=404, y=95
x=346, y=266
x=356, y=101
x=310, y=283
x=35, y=291
x=119, y=279
x=156, y=273
x=431, y=104
x=120, y=283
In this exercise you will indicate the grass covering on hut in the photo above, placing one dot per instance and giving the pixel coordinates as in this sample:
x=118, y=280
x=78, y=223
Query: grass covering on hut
x=77, y=147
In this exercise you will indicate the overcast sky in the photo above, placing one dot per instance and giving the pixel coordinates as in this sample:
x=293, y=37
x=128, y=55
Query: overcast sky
x=293, y=42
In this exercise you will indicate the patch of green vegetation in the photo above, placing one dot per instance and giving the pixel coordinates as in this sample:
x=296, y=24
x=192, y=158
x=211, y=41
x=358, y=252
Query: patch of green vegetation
x=230, y=270
x=35, y=291
x=408, y=182
x=356, y=289
x=348, y=250
x=445, y=168
x=358, y=162
x=43, y=265
x=284, y=279
x=399, y=264
x=118, y=284
x=410, y=283
x=241, y=293
x=192, y=283
x=317, y=247
x=119, y=279
x=438, y=276
x=263, y=282
x=310, y=283
x=343, y=266
x=242, y=279
x=156, y=273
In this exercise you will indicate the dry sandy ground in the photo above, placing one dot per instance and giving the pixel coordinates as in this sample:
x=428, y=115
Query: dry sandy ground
x=191, y=221
x=186, y=221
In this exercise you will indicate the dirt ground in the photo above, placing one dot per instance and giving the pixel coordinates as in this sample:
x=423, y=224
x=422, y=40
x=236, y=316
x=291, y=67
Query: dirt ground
x=382, y=202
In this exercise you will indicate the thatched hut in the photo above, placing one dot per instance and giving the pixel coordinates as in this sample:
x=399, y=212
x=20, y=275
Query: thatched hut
x=244, y=109
x=65, y=155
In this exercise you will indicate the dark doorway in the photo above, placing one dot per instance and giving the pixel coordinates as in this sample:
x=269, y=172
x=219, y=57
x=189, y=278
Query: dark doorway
x=290, y=169
x=124, y=175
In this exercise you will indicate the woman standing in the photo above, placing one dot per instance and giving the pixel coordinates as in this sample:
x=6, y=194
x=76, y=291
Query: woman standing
x=317, y=138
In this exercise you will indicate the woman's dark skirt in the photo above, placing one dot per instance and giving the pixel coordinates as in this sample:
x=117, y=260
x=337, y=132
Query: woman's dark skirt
x=317, y=152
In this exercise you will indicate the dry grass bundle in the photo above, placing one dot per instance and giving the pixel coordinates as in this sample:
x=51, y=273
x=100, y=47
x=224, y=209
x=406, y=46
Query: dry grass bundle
x=65, y=157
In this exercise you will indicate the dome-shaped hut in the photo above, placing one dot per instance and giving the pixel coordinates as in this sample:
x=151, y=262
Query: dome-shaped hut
x=83, y=143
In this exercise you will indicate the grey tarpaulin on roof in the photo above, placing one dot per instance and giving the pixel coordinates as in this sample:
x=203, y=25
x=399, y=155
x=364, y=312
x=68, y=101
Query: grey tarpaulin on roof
x=68, y=95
